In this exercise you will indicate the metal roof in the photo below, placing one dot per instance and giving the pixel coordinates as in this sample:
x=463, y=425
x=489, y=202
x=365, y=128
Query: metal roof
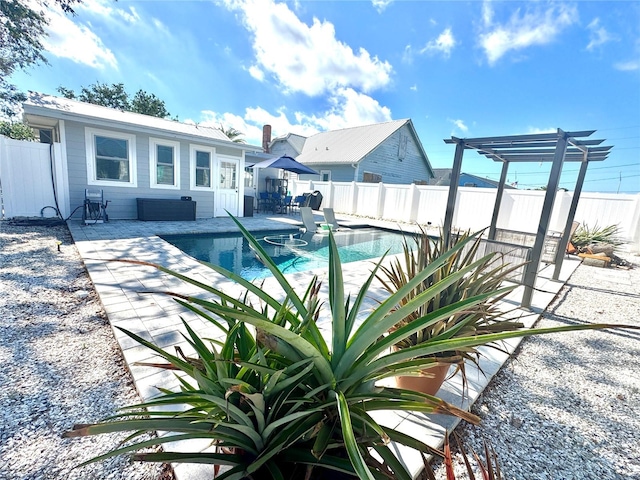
x=65, y=109
x=347, y=145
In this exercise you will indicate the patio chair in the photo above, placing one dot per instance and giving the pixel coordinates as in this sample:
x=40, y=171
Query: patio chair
x=264, y=202
x=330, y=218
x=309, y=222
x=287, y=204
x=298, y=201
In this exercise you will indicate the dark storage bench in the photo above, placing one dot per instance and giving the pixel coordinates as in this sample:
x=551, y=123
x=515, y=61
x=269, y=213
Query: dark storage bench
x=164, y=209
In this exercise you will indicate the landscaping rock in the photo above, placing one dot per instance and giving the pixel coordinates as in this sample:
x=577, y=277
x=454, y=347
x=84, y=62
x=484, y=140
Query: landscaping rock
x=60, y=363
x=566, y=406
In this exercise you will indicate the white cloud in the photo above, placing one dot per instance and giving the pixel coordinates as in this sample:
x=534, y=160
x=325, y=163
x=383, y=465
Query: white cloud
x=252, y=134
x=76, y=42
x=534, y=26
x=443, y=44
x=459, y=124
x=348, y=109
x=307, y=58
x=629, y=66
x=598, y=35
x=535, y=130
x=414, y=87
x=407, y=55
x=381, y=5
x=256, y=73
x=280, y=123
x=70, y=37
x=105, y=10
x=311, y=60
x=253, y=121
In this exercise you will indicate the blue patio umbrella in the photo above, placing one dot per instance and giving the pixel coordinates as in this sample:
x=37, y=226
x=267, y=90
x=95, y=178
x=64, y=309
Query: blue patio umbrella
x=286, y=163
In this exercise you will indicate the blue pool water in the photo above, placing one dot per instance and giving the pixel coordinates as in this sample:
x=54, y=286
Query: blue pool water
x=290, y=250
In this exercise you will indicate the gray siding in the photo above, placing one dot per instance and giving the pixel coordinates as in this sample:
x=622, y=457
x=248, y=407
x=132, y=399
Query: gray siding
x=122, y=203
x=384, y=161
x=282, y=147
x=339, y=173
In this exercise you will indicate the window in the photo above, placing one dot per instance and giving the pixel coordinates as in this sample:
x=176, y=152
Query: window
x=201, y=167
x=164, y=158
x=325, y=175
x=44, y=134
x=111, y=158
x=368, y=177
x=228, y=175
x=248, y=177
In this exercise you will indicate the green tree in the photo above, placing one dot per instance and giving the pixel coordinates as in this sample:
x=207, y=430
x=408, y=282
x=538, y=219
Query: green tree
x=233, y=134
x=116, y=96
x=148, y=104
x=21, y=33
x=17, y=131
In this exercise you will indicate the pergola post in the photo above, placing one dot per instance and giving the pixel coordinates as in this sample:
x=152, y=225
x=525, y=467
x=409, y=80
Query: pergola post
x=564, y=241
x=531, y=269
x=496, y=206
x=453, y=192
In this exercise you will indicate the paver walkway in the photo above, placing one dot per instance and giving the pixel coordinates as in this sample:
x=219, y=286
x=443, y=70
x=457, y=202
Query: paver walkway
x=157, y=317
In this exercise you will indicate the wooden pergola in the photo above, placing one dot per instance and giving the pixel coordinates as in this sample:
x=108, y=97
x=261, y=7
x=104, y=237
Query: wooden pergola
x=557, y=148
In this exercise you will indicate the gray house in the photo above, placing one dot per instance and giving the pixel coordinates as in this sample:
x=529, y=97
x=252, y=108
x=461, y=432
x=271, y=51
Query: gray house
x=443, y=179
x=388, y=152
x=129, y=156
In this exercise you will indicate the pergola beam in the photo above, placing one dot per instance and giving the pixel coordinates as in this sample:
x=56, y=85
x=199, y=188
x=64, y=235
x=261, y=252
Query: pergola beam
x=534, y=137
x=574, y=157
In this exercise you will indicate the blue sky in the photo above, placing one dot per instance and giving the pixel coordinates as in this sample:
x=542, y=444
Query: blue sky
x=462, y=68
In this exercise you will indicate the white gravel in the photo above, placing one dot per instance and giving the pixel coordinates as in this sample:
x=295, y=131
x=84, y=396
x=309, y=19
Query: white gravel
x=60, y=363
x=568, y=405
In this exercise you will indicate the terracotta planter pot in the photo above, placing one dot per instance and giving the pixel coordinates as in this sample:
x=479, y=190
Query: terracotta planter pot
x=430, y=383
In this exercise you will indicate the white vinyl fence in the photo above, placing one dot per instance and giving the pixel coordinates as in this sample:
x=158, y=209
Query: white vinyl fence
x=27, y=173
x=520, y=209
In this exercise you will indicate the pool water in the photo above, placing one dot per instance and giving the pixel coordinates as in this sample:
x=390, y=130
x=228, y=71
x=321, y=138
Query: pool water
x=290, y=250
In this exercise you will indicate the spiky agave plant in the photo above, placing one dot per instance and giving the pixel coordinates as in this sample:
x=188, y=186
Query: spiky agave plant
x=283, y=401
x=585, y=235
x=486, y=275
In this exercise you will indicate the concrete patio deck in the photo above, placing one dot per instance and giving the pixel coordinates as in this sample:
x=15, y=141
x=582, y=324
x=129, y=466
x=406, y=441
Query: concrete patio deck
x=157, y=317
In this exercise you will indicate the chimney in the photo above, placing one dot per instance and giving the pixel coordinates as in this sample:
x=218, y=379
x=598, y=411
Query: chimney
x=266, y=138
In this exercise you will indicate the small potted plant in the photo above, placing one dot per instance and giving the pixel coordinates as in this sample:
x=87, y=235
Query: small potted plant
x=471, y=276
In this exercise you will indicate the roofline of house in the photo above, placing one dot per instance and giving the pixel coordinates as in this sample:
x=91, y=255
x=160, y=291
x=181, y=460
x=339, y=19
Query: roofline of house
x=285, y=138
x=44, y=111
x=406, y=121
x=419, y=143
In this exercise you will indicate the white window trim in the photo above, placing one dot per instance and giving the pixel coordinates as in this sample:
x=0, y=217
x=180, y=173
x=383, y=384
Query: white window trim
x=153, y=152
x=90, y=145
x=192, y=168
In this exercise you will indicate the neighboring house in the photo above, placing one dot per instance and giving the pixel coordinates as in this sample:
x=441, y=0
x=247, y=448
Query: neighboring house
x=130, y=156
x=443, y=178
x=388, y=152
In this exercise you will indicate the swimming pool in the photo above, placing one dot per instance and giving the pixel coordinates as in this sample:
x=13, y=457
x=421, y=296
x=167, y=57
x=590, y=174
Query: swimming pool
x=290, y=250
